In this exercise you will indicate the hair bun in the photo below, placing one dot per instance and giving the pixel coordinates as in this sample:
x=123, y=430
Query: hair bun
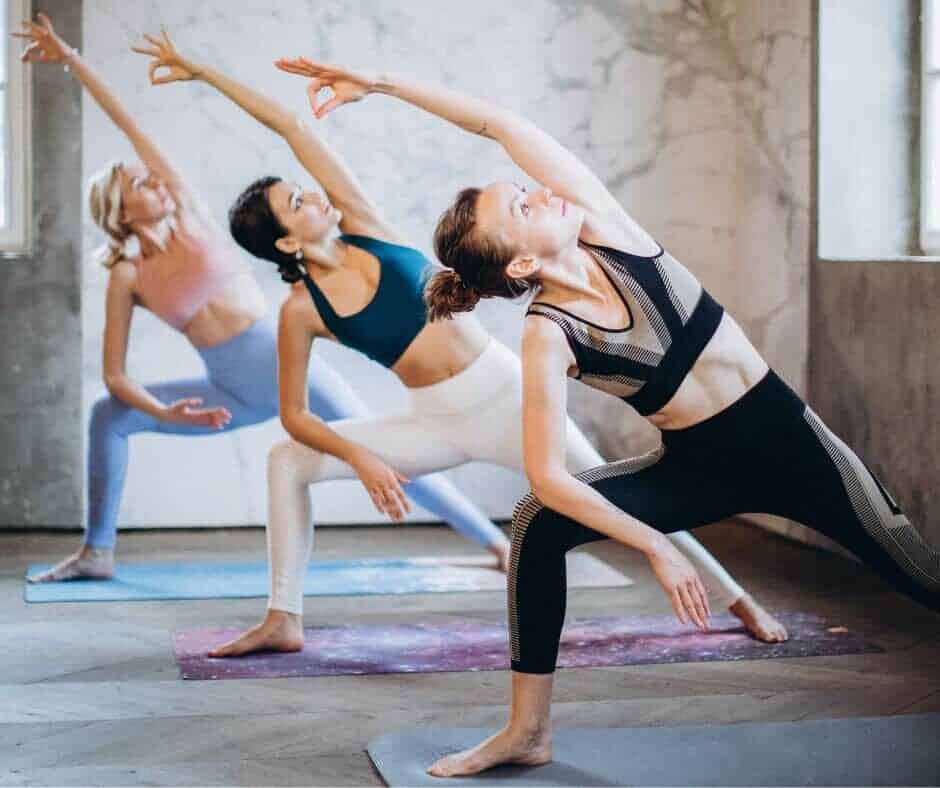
x=291, y=273
x=446, y=294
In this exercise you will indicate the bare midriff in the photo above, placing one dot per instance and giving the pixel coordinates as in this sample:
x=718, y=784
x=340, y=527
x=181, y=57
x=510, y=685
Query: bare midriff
x=727, y=369
x=442, y=349
x=228, y=313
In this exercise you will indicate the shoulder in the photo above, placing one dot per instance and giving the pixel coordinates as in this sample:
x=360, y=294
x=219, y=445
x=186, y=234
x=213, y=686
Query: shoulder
x=366, y=221
x=298, y=313
x=123, y=276
x=618, y=231
x=544, y=336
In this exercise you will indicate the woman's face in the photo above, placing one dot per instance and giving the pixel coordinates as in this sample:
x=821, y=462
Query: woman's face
x=144, y=196
x=536, y=224
x=307, y=216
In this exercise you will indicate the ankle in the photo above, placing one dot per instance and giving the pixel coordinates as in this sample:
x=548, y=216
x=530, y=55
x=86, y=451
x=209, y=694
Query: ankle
x=97, y=553
x=532, y=731
x=275, y=616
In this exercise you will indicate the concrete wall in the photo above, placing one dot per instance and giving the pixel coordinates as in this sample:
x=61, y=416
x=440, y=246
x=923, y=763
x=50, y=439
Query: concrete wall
x=875, y=373
x=40, y=322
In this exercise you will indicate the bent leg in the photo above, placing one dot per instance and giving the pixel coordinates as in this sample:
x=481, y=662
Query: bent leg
x=723, y=590
x=644, y=487
x=293, y=467
x=402, y=442
x=331, y=398
x=113, y=423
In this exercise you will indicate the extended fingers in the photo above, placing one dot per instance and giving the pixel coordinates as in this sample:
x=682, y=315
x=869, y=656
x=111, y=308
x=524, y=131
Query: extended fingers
x=327, y=107
x=29, y=50
x=292, y=68
x=312, y=65
x=691, y=605
x=677, y=605
x=704, y=596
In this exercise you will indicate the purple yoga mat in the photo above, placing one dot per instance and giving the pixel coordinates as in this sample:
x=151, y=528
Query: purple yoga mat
x=464, y=644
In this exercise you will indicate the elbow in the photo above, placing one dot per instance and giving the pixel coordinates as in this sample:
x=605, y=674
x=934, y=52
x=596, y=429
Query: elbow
x=289, y=423
x=291, y=420
x=548, y=485
x=112, y=382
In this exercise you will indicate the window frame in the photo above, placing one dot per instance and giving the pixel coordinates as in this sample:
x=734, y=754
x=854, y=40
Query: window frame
x=929, y=142
x=15, y=235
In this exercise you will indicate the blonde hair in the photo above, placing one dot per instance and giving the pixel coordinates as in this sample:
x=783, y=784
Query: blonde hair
x=104, y=200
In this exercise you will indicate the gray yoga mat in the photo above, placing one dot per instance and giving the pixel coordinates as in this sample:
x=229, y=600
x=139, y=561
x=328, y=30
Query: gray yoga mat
x=901, y=750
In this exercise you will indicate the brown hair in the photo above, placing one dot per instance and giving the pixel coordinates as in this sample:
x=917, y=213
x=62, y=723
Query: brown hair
x=475, y=266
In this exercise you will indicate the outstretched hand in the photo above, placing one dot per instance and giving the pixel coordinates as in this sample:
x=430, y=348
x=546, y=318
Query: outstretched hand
x=347, y=86
x=45, y=45
x=165, y=56
x=187, y=411
x=682, y=585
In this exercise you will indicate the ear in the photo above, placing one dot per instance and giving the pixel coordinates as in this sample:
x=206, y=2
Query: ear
x=522, y=267
x=288, y=244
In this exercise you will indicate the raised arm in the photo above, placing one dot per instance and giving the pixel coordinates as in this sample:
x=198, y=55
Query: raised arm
x=46, y=46
x=546, y=360
x=535, y=151
x=360, y=214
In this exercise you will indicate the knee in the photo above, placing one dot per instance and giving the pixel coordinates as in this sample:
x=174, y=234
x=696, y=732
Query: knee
x=532, y=525
x=107, y=410
x=286, y=460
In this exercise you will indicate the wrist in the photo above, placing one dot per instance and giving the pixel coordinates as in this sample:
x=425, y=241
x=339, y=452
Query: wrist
x=198, y=70
x=70, y=56
x=658, y=545
x=383, y=83
x=351, y=454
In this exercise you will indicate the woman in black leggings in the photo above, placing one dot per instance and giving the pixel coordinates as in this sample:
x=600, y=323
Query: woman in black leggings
x=638, y=325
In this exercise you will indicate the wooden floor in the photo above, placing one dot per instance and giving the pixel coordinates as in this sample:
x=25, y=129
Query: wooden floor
x=89, y=693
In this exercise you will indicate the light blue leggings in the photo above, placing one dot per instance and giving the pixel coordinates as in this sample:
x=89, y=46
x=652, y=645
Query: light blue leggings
x=242, y=377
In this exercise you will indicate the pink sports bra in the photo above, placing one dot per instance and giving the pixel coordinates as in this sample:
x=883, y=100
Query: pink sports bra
x=204, y=267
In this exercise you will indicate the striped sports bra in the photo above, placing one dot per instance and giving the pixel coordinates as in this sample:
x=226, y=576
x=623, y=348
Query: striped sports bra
x=671, y=319
x=385, y=327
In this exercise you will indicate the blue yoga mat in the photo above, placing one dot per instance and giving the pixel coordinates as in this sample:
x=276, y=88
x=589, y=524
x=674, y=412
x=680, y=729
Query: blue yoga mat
x=421, y=575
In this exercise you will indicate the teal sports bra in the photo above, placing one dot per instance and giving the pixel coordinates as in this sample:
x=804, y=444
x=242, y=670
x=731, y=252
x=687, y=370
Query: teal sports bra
x=385, y=327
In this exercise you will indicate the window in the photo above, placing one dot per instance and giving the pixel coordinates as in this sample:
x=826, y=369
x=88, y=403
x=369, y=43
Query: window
x=930, y=128
x=15, y=192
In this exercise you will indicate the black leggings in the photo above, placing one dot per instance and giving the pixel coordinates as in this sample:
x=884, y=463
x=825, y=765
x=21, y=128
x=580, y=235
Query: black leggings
x=768, y=452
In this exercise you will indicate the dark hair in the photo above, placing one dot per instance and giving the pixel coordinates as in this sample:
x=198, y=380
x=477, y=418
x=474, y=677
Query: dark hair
x=255, y=228
x=477, y=265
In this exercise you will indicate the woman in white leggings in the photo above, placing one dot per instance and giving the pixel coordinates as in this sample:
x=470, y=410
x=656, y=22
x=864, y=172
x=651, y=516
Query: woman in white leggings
x=476, y=415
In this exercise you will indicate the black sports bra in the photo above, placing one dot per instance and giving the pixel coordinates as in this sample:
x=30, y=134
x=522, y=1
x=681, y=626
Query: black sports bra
x=672, y=318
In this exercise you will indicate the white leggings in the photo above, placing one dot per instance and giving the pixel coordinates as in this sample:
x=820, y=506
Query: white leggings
x=474, y=416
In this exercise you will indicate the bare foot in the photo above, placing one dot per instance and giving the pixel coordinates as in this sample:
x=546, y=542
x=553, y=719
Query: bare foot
x=502, y=551
x=507, y=746
x=88, y=563
x=758, y=621
x=280, y=631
